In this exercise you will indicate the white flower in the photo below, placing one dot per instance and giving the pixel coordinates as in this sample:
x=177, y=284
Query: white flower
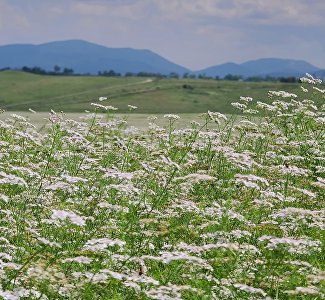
x=249, y=289
x=97, y=105
x=8, y=295
x=309, y=290
x=109, y=107
x=171, y=117
x=66, y=214
x=238, y=105
x=49, y=243
x=196, y=177
x=79, y=259
x=310, y=79
x=251, y=181
x=71, y=179
x=118, y=175
x=299, y=246
x=282, y=94
x=102, y=243
x=216, y=116
x=11, y=179
x=246, y=99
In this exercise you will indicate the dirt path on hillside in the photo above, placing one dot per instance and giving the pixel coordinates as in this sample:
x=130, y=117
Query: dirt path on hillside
x=149, y=80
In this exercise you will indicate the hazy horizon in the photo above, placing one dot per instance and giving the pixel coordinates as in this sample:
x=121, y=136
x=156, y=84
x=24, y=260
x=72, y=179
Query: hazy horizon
x=193, y=33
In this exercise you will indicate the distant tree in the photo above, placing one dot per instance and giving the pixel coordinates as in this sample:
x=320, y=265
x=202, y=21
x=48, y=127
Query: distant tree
x=185, y=75
x=56, y=69
x=34, y=70
x=270, y=78
x=143, y=74
x=255, y=79
x=68, y=71
x=129, y=74
x=149, y=74
x=204, y=76
x=289, y=79
x=189, y=75
x=173, y=75
x=38, y=70
x=233, y=77
x=110, y=73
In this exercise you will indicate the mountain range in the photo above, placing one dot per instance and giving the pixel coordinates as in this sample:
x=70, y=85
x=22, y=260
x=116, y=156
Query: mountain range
x=89, y=58
x=275, y=67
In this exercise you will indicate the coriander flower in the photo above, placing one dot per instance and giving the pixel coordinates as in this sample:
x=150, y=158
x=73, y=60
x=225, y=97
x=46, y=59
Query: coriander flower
x=71, y=216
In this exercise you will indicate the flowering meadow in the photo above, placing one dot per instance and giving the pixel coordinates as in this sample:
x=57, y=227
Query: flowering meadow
x=227, y=208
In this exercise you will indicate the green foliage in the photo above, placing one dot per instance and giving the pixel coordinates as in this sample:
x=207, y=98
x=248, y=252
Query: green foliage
x=225, y=208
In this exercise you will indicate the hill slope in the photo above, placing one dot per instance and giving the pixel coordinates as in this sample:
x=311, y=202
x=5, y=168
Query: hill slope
x=85, y=57
x=89, y=58
x=262, y=67
x=21, y=91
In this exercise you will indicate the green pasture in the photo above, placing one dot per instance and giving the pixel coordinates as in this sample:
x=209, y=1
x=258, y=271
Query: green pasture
x=20, y=91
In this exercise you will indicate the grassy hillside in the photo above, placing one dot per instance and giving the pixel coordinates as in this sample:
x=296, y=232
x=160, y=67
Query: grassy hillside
x=21, y=91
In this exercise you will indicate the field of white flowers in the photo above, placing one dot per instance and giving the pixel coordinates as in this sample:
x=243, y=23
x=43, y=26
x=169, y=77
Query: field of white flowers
x=222, y=209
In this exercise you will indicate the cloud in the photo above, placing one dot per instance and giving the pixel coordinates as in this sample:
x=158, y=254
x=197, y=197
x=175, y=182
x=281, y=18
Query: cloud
x=132, y=10
x=195, y=33
x=12, y=17
x=95, y=9
x=275, y=12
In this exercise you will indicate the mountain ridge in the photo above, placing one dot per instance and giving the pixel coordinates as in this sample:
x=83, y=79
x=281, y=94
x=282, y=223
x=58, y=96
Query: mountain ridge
x=90, y=58
x=85, y=57
x=275, y=67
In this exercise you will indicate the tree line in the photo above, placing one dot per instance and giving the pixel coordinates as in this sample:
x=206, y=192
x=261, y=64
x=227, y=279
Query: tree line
x=58, y=71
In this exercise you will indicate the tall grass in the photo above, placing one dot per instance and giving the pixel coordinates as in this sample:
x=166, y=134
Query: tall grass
x=222, y=209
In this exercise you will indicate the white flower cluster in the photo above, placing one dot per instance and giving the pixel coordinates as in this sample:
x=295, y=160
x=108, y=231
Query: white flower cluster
x=68, y=215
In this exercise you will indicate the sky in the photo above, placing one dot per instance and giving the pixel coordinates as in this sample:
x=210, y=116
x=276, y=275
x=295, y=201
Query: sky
x=193, y=33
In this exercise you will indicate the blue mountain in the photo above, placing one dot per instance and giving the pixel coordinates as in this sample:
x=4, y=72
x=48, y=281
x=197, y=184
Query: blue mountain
x=85, y=57
x=319, y=74
x=262, y=67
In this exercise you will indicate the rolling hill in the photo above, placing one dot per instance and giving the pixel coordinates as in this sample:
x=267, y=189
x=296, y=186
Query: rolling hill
x=89, y=58
x=20, y=91
x=84, y=57
x=274, y=67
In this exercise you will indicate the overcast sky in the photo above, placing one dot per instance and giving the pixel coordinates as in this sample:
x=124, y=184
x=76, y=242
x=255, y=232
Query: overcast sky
x=192, y=33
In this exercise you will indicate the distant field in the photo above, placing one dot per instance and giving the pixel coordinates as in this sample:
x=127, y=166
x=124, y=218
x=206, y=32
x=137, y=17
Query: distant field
x=20, y=91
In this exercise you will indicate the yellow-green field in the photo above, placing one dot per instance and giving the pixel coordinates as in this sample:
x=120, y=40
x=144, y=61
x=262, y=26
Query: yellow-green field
x=20, y=91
